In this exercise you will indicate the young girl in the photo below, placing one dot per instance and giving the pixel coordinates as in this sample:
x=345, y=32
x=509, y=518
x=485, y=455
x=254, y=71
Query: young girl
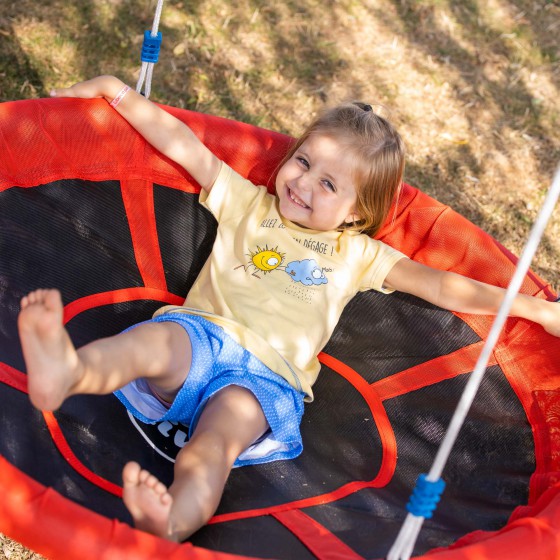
x=237, y=361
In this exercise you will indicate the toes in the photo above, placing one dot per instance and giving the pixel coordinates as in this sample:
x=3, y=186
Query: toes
x=131, y=473
x=155, y=485
x=62, y=92
x=37, y=296
x=29, y=299
x=143, y=476
x=32, y=298
x=166, y=498
x=133, y=476
x=160, y=488
x=51, y=298
x=148, y=479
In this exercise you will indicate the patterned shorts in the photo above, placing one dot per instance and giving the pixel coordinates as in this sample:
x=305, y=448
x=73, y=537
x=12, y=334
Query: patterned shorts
x=217, y=362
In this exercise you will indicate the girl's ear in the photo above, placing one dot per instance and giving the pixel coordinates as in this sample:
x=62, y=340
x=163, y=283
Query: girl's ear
x=351, y=218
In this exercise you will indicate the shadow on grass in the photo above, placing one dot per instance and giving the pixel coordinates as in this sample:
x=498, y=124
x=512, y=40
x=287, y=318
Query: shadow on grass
x=515, y=106
x=18, y=78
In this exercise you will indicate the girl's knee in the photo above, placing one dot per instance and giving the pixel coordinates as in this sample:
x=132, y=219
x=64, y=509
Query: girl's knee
x=232, y=419
x=236, y=405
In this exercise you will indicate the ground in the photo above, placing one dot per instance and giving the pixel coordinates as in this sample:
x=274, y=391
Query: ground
x=473, y=85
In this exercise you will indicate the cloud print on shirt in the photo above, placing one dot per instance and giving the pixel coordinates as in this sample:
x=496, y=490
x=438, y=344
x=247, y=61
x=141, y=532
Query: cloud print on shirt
x=308, y=272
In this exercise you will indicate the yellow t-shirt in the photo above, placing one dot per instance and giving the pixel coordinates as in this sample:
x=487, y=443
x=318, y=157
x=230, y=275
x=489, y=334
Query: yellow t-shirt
x=279, y=289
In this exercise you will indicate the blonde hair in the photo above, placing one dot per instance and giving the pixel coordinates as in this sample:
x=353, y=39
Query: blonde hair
x=379, y=152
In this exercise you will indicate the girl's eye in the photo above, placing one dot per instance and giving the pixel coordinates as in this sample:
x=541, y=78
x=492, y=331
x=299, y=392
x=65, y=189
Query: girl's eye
x=303, y=161
x=329, y=185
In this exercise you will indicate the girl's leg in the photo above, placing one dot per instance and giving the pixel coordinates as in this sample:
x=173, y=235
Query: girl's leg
x=160, y=352
x=231, y=421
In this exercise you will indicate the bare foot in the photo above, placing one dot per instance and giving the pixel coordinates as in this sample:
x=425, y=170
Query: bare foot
x=147, y=500
x=51, y=359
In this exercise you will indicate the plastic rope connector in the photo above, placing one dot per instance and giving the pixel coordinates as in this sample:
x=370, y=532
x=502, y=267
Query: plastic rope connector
x=150, y=47
x=425, y=497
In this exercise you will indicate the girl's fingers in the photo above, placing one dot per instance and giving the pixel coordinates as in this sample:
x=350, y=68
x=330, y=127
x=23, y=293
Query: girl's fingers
x=86, y=90
x=101, y=86
x=63, y=92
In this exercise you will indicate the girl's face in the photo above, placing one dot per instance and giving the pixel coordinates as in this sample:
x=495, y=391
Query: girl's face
x=315, y=187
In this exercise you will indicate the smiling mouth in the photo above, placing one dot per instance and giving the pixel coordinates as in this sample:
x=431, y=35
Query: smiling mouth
x=297, y=200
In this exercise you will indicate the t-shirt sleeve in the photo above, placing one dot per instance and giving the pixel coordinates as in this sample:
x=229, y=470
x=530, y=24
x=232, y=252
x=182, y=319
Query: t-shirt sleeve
x=230, y=195
x=380, y=259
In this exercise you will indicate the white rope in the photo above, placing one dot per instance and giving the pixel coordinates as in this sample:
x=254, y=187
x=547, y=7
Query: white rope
x=147, y=69
x=402, y=549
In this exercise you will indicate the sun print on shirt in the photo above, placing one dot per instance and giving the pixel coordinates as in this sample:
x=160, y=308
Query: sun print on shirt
x=307, y=271
x=265, y=260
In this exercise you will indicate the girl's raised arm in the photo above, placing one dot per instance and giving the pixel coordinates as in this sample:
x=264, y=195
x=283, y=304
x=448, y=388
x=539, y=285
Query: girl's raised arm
x=167, y=134
x=465, y=295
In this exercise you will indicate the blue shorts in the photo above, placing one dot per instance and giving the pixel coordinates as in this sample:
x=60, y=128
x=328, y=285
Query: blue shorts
x=217, y=362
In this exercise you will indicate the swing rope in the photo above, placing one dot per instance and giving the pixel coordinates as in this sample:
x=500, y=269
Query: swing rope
x=429, y=488
x=150, y=53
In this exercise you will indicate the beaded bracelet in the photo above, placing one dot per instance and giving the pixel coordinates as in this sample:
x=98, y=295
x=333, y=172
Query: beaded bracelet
x=120, y=96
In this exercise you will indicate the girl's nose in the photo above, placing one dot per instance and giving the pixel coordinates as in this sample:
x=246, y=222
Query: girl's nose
x=304, y=182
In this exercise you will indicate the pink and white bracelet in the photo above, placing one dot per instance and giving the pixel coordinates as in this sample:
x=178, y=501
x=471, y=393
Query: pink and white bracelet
x=120, y=96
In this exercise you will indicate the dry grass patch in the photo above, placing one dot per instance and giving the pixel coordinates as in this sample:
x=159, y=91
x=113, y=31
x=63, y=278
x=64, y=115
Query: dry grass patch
x=11, y=550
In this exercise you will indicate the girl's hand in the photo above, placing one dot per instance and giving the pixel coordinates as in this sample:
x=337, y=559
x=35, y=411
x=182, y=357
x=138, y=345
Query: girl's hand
x=101, y=87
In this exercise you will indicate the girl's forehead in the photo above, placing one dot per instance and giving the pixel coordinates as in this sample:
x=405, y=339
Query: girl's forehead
x=322, y=140
x=328, y=147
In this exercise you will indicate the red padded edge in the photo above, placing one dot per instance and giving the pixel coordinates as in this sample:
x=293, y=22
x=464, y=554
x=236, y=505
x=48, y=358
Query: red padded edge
x=535, y=535
x=44, y=521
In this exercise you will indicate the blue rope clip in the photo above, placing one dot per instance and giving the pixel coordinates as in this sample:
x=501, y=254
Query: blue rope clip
x=425, y=496
x=150, y=47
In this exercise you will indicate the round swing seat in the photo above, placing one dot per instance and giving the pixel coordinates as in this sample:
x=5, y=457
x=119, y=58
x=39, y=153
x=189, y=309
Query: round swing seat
x=88, y=207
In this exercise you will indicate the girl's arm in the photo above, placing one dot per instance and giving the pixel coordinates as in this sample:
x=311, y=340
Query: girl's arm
x=167, y=134
x=459, y=293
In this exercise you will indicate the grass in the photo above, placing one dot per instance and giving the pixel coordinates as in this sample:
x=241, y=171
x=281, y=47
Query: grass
x=473, y=85
x=13, y=551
